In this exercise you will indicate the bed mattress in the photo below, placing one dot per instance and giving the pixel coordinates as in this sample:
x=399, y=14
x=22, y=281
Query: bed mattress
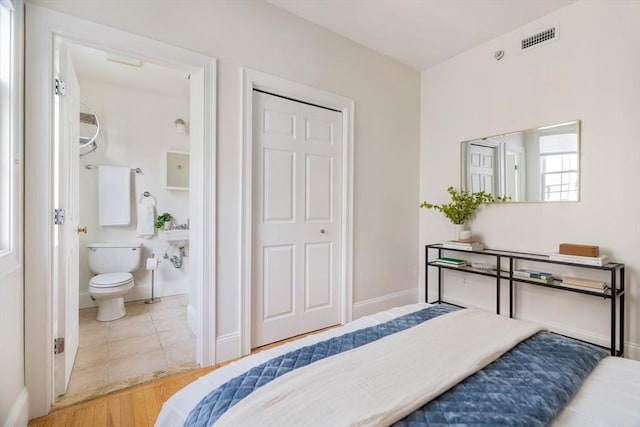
x=610, y=396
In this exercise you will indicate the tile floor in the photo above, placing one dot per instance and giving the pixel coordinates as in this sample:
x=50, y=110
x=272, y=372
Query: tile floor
x=151, y=337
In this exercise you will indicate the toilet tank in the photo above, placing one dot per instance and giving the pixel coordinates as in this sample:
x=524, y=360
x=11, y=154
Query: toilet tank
x=114, y=257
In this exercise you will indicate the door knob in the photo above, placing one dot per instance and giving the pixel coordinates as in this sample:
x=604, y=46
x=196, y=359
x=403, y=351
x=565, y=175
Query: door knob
x=322, y=231
x=82, y=230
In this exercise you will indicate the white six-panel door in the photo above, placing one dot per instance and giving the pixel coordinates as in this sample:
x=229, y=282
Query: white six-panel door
x=296, y=218
x=482, y=169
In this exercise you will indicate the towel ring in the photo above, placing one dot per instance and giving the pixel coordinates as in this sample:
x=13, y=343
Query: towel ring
x=146, y=194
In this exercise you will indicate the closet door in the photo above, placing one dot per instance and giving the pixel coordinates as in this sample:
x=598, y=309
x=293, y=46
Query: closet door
x=296, y=219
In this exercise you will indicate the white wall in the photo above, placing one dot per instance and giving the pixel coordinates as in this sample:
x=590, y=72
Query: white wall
x=260, y=36
x=13, y=391
x=590, y=73
x=137, y=129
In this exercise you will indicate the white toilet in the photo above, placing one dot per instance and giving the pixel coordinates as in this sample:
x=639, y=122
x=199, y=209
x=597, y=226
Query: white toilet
x=113, y=263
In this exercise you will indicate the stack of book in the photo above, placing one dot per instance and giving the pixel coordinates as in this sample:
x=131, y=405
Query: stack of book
x=598, y=261
x=532, y=275
x=579, y=254
x=600, y=285
x=465, y=246
x=451, y=262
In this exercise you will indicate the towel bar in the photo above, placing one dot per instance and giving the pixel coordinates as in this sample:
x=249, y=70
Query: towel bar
x=136, y=170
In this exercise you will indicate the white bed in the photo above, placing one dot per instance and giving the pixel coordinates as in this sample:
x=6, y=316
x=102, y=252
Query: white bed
x=610, y=396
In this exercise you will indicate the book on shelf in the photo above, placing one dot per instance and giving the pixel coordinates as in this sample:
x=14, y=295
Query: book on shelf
x=447, y=264
x=523, y=272
x=598, y=261
x=451, y=262
x=585, y=283
x=465, y=246
x=543, y=279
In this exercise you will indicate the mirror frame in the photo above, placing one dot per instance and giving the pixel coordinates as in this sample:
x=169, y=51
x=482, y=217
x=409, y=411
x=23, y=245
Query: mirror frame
x=168, y=153
x=463, y=159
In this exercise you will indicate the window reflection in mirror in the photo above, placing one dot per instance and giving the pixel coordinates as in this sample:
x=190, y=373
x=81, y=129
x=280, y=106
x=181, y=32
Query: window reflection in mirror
x=533, y=165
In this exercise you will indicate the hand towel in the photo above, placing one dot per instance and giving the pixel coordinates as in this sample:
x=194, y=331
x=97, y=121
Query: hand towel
x=146, y=219
x=114, y=195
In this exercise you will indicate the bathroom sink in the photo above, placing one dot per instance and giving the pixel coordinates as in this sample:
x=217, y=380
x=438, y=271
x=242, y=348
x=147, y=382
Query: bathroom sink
x=175, y=237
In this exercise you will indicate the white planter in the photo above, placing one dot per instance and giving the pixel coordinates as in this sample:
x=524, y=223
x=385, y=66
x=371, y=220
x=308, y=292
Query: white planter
x=462, y=234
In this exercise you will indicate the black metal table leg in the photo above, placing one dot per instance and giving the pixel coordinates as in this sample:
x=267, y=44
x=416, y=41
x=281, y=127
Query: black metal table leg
x=510, y=287
x=439, y=278
x=426, y=274
x=621, y=326
x=613, y=312
x=498, y=285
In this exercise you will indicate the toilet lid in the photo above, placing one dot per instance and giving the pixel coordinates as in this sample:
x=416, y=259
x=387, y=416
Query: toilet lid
x=108, y=280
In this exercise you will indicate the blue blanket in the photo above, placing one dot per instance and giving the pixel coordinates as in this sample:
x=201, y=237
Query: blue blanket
x=526, y=386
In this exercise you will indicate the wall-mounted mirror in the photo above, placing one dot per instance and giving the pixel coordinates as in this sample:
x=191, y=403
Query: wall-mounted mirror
x=177, y=170
x=533, y=165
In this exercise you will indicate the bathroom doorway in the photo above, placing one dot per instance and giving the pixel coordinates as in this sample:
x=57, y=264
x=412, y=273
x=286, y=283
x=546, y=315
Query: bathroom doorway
x=138, y=115
x=42, y=27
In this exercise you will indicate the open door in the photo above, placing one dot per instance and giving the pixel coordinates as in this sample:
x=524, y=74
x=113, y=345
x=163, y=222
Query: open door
x=66, y=199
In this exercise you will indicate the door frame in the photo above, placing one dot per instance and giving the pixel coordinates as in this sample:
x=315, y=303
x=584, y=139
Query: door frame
x=251, y=79
x=42, y=27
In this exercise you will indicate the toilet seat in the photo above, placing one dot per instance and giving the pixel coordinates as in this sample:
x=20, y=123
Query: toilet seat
x=110, y=280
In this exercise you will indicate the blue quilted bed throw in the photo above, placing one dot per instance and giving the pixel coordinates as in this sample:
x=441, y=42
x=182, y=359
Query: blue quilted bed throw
x=527, y=386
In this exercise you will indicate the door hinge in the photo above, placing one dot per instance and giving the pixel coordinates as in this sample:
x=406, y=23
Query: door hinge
x=58, y=345
x=61, y=87
x=58, y=216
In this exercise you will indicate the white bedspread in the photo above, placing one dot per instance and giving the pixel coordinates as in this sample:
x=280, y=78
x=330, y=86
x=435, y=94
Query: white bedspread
x=610, y=396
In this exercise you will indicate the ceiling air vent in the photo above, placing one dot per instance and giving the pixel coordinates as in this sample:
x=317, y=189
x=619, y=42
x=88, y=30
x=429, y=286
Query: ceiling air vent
x=537, y=39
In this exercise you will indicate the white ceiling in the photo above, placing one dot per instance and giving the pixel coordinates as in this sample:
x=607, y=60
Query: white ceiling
x=92, y=64
x=421, y=33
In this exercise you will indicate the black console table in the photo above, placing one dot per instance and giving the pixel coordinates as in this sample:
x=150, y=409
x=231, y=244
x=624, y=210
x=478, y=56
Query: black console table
x=614, y=291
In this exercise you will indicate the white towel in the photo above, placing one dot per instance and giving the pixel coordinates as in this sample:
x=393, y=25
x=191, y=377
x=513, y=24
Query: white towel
x=146, y=220
x=114, y=195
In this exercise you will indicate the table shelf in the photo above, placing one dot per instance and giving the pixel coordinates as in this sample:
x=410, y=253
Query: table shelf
x=614, y=292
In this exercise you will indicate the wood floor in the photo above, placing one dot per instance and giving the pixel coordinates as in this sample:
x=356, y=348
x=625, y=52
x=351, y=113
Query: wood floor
x=137, y=406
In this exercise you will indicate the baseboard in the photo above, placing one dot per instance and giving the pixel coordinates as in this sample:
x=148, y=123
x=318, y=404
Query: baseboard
x=632, y=351
x=192, y=319
x=227, y=347
x=140, y=292
x=385, y=302
x=19, y=414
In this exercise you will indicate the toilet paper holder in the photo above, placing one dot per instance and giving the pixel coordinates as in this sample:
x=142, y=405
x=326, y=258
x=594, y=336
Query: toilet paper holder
x=152, y=265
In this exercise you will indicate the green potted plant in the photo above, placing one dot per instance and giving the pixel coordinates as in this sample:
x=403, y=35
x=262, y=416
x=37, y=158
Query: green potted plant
x=463, y=206
x=162, y=219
